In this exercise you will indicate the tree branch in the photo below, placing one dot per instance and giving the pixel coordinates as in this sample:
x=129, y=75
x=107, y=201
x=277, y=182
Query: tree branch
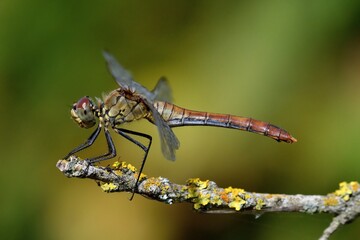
x=207, y=197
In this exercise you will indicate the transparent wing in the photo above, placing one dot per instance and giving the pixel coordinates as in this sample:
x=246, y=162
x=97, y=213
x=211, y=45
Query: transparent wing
x=124, y=78
x=169, y=142
x=121, y=75
x=162, y=91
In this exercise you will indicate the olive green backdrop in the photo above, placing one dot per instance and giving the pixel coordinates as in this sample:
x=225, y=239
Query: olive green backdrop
x=293, y=63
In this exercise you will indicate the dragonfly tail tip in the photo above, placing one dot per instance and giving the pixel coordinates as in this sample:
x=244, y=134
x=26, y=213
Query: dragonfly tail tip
x=293, y=140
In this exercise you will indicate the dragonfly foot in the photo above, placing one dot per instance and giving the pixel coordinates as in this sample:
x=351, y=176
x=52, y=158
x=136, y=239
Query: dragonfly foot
x=136, y=188
x=88, y=163
x=132, y=193
x=108, y=168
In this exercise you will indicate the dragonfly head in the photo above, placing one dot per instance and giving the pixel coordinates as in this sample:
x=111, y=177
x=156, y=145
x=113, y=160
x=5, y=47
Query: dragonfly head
x=83, y=112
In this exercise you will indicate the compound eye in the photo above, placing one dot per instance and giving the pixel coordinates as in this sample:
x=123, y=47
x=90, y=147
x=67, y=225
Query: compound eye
x=83, y=103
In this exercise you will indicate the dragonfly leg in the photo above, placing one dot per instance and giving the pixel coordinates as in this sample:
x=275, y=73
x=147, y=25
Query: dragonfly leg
x=86, y=144
x=124, y=133
x=111, y=149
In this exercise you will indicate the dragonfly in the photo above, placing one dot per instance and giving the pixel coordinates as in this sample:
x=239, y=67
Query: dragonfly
x=132, y=101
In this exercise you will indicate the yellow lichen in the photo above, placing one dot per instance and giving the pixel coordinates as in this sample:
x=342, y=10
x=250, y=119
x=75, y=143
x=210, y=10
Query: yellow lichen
x=247, y=196
x=131, y=167
x=192, y=181
x=116, y=165
x=118, y=172
x=201, y=200
x=192, y=193
x=165, y=189
x=228, y=189
x=194, y=185
x=216, y=200
x=137, y=174
x=150, y=182
x=234, y=191
x=107, y=187
x=331, y=201
x=204, y=199
x=355, y=186
x=123, y=164
x=198, y=183
x=142, y=176
x=197, y=206
x=344, y=191
x=259, y=204
x=237, y=203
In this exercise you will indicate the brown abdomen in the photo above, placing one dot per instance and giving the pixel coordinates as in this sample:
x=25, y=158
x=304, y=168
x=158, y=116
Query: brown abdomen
x=176, y=116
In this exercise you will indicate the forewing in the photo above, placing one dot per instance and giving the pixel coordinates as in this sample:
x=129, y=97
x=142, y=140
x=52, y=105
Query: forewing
x=120, y=74
x=162, y=91
x=124, y=78
x=169, y=142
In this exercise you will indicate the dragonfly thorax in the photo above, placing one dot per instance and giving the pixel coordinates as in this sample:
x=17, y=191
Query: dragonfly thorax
x=83, y=112
x=120, y=107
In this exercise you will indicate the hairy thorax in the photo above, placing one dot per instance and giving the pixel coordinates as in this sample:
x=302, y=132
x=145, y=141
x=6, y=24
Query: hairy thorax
x=122, y=106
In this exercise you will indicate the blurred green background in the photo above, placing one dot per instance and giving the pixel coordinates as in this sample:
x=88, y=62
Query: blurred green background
x=293, y=63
